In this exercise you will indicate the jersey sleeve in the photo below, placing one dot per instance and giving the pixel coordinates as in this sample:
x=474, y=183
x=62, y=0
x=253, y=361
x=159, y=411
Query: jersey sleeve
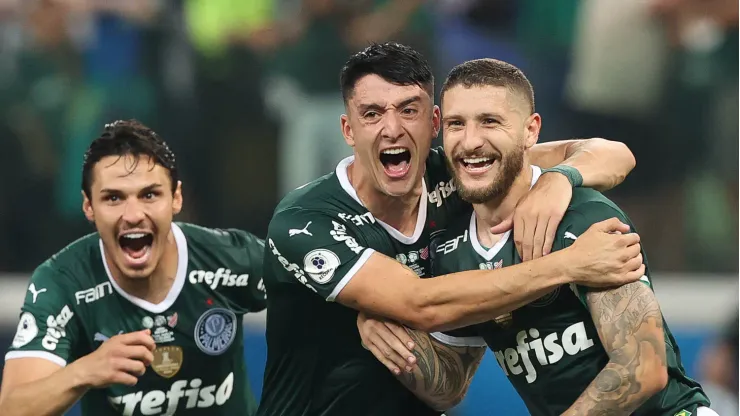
x=577, y=221
x=253, y=297
x=48, y=326
x=314, y=249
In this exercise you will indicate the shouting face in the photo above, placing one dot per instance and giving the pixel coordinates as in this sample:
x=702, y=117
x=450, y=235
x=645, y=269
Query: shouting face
x=132, y=205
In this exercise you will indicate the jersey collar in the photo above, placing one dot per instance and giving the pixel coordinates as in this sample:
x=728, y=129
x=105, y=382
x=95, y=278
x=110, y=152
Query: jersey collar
x=489, y=254
x=421, y=218
x=182, y=267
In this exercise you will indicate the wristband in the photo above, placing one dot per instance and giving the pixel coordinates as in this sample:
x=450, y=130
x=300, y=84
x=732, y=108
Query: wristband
x=573, y=175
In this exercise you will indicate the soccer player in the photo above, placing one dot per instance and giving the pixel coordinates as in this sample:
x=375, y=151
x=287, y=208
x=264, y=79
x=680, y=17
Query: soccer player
x=575, y=350
x=143, y=317
x=358, y=239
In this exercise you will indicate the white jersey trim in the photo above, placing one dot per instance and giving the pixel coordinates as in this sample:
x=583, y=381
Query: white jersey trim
x=459, y=341
x=36, y=354
x=421, y=217
x=182, y=270
x=350, y=274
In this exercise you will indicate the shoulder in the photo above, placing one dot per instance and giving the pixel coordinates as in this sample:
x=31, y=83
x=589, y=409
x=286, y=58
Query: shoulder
x=591, y=206
x=75, y=265
x=217, y=237
x=319, y=194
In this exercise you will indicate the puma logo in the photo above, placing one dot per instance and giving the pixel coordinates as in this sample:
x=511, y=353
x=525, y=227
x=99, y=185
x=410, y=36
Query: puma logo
x=35, y=293
x=303, y=230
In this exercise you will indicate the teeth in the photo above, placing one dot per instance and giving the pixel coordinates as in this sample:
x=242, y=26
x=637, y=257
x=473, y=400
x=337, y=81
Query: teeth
x=134, y=235
x=470, y=160
x=394, y=151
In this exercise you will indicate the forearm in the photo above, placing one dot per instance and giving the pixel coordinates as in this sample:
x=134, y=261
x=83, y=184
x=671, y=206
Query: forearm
x=614, y=391
x=467, y=298
x=50, y=396
x=442, y=373
x=603, y=164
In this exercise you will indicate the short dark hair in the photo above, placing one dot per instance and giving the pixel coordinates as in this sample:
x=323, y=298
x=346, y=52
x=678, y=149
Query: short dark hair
x=490, y=72
x=395, y=63
x=128, y=137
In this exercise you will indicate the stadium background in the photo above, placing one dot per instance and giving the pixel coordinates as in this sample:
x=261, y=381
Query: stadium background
x=246, y=94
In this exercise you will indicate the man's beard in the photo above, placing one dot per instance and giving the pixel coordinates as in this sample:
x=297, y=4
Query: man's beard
x=511, y=165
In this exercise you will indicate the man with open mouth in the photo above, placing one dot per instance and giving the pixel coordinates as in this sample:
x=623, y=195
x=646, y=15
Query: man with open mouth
x=144, y=316
x=358, y=239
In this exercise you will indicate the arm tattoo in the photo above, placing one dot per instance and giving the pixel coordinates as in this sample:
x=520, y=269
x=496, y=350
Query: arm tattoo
x=443, y=373
x=630, y=326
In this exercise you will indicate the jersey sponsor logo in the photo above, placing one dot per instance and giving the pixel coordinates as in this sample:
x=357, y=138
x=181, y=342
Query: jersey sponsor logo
x=55, y=328
x=156, y=402
x=441, y=192
x=26, y=331
x=320, y=265
x=94, y=293
x=304, y=230
x=358, y=219
x=489, y=265
x=451, y=245
x=340, y=234
x=35, y=293
x=221, y=277
x=215, y=331
x=573, y=340
x=298, y=273
x=569, y=235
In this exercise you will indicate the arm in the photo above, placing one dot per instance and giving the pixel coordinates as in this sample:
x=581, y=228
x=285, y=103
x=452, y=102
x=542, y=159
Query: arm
x=630, y=326
x=438, y=373
x=603, y=164
x=327, y=255
x=27, y=379
x=443, y=372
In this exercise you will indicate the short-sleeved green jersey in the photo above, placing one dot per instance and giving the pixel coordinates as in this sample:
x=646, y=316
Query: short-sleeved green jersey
x=550, y=349
x=319, y=237
x=73, y=305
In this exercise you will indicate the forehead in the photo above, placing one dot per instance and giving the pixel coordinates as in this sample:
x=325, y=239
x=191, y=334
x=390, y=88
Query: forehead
x=468, y=101
x=373, y=89
x=126, y=172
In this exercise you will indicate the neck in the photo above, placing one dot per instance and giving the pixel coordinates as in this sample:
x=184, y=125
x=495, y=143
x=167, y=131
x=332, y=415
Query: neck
x=400, y=212
x=155, y=287
x=496, y=210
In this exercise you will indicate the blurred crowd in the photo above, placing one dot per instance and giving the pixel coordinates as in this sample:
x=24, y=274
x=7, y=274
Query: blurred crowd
x=246, y=93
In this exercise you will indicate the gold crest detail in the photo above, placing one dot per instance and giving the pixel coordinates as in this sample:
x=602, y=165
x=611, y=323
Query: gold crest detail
x=167, y=360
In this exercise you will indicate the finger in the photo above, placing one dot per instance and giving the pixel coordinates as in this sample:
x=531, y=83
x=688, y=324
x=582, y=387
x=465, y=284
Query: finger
x=611, y=225
x=503, y=226
x=629, y=253
x=138, y=352
x=635, y=263
x=630, y=239
x=538, y=243
x=634, y=275
x=380, y=357
x=528, y=238
x=123, y=378
x=519, y=234
x=406, y=344
x=133, y=367
x=389, y=345
x=550, y=232
x=137, y=338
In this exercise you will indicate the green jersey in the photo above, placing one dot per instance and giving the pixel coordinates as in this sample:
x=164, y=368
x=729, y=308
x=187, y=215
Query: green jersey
x=73, y=305
x=550, y=349
x=319, y=237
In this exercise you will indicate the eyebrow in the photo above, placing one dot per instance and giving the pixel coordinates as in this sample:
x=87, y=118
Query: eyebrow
x=379, y=108
x=147, y=188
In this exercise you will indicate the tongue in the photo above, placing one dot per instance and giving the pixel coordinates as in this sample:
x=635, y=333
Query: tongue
x=396, y=168
x=135, y=252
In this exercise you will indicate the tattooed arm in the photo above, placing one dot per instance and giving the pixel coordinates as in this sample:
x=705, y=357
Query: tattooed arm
x=437, y=373
x=443, y=373
x=630, y=327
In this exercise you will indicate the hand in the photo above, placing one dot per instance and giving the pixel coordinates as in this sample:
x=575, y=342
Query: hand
x=389, y=343
x=537, y=215
x=606, y=255
x=119, y=360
